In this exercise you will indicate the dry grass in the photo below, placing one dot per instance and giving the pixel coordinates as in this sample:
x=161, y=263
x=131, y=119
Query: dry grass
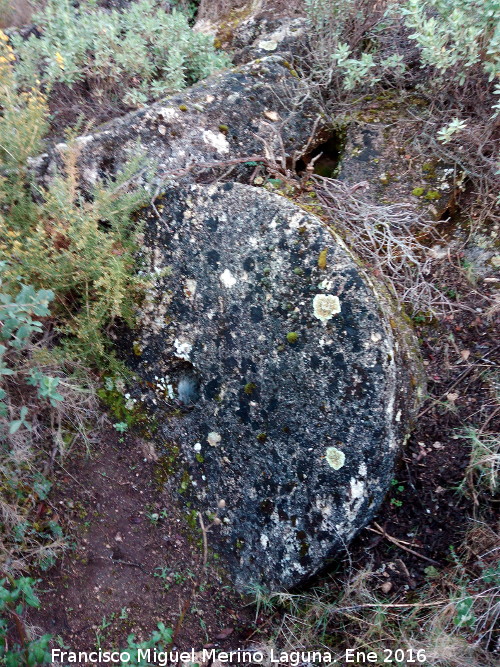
x=216, y=11
x=452, y=621
x=26, y=465
x=474, y=151
x=392, y=239
x=482, y=473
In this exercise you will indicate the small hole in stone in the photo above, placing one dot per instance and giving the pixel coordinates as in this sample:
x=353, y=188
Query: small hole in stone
x=107, y=168
x=331, y=152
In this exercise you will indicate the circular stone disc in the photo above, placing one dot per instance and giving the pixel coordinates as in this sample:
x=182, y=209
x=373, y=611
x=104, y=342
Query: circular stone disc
x=285, y=366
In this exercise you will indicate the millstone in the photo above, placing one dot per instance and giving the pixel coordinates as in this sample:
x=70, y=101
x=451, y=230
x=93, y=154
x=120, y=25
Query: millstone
x=281, y=390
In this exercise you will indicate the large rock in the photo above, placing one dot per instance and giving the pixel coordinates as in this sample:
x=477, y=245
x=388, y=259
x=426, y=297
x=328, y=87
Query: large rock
x=295, y=391
x=258, y=109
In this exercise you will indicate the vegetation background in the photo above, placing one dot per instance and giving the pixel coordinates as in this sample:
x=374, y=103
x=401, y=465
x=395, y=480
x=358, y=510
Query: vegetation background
x=69, y=275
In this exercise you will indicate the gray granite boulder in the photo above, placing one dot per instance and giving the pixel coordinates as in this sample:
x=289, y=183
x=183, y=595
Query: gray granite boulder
x=282, y=385
x=257, y=109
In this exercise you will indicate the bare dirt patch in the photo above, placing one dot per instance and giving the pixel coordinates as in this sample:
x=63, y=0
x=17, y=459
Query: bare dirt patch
x=425, y=507
x=136, y=561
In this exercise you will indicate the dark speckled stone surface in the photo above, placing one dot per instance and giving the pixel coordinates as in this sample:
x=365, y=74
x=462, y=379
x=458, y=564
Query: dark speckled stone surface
x=268, y=407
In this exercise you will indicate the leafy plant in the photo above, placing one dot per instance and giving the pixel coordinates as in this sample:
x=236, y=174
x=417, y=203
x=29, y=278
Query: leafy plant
x=445, y=134
x=455, y=36
x=139, y=52
x=16, y=647
x=160, y=639
x=17, y=328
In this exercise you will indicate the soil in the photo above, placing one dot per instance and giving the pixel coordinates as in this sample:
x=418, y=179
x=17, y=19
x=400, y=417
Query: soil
x=428, y=506
x=137, y=560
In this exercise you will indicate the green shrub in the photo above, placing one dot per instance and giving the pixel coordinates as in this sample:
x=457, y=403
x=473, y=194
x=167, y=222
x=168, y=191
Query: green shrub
x=343, y=44
x=446, y=51
x=81, y=247
x=453, y=37
x=16, y=647
x=67, y=274
x=138, y=53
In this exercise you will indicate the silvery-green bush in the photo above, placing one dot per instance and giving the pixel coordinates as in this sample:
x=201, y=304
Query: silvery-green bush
x=455, y=35
x=454, y=38
x=141, y=51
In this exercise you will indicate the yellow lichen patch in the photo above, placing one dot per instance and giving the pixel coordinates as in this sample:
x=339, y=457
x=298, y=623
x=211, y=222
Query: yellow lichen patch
x=335, y=458
x=322, y=259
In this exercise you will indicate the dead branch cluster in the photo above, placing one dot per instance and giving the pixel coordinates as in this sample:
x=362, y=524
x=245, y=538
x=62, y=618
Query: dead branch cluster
x=392, y=239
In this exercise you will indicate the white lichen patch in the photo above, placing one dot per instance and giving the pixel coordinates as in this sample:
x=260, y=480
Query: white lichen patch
x=217, y=140
x=324, y=506
x=86, y=139
x=264, y=540
x=437, y=252
x=357, y=489
x=213, y=439
x=297, y=567
x=357, y=493
x=335, y=458
x=495, y=261
x=90, y=175
x=296, y=221
x=227, y=279
x=183, y=349
x=325, y=306
x=167, y=113
x=190, y=288
x=268, y=45
x=272, y=115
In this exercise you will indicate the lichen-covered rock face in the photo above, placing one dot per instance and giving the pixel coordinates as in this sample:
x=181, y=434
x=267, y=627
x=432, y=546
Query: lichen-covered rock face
x=287, y=372
x=251, y=110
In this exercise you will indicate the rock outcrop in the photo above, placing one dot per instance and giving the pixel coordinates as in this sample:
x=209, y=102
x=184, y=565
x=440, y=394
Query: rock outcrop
x=257, y=109
x=280, y=382
x=282, y=390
